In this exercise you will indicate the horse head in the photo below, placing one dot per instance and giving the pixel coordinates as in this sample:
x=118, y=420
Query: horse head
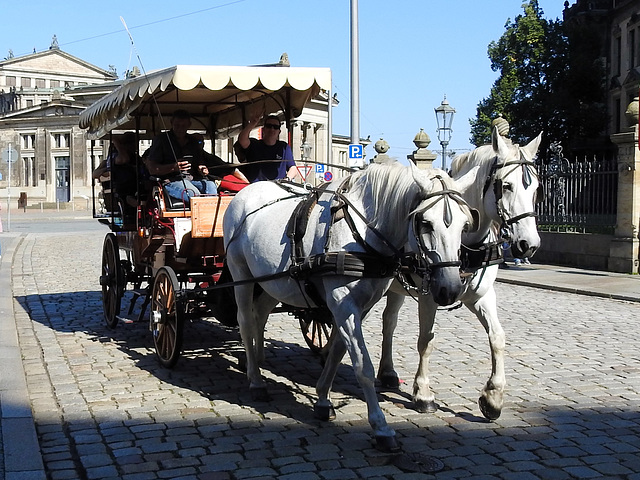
x=435, y=230
x=515, y=191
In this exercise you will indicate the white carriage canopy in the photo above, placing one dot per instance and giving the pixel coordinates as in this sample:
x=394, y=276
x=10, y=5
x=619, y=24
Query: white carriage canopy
x=219, y=98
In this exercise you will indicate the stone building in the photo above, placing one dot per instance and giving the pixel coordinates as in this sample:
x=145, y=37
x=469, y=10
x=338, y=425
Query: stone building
x=39, y=112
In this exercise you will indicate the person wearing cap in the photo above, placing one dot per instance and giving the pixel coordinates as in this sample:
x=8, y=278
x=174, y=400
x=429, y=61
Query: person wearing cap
x=268, y=158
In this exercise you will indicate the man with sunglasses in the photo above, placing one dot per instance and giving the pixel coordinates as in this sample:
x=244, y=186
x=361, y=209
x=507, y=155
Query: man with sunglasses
x=268, y=158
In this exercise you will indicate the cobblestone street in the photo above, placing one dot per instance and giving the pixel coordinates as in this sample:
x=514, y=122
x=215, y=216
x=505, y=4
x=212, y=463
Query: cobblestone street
x=105, y=409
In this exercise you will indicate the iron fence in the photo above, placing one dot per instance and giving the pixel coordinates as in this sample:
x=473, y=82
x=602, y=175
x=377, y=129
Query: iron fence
x=580, y=193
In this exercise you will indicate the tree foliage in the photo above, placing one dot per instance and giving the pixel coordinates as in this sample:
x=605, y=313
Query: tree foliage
x=549, y=81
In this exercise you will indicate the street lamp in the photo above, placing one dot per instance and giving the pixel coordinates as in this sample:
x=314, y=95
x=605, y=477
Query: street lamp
x=444, y=117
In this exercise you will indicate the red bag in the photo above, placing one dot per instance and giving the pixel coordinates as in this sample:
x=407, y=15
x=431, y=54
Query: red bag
x=231, y=184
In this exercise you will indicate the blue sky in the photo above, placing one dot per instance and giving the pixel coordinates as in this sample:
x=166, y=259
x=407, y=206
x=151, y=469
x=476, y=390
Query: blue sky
x=412, y=52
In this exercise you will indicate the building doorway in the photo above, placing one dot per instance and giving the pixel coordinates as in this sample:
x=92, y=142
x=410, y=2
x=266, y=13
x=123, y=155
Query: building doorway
x=63, y=176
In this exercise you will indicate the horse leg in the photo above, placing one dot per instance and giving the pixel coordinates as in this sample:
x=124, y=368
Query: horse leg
x=491, y=399
x=323, y=408
x=386, y=372
x=350, y=329
x=262, y=308
x=248, y=325
x=423, y=398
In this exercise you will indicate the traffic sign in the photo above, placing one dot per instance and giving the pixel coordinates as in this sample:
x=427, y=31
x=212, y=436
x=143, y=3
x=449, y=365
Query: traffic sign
x=328, y=176
x=356, y=151
x=9, y=155
x=304, y=171
x=320, y=168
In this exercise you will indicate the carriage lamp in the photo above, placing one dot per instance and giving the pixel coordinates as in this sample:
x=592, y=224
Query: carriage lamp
x=444, y=117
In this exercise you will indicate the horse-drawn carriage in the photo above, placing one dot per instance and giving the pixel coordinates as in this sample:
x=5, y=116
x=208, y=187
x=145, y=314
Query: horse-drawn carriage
x=169, y=252
x=328, y=254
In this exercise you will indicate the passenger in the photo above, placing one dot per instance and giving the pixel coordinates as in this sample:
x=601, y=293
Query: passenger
x=171, y=156
x=209, y=167
x=120, y=167
x=270, y=147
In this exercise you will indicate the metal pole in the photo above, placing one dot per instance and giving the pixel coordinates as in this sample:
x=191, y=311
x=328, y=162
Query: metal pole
x=355, y=76
x=9, y=191
x=444, y=152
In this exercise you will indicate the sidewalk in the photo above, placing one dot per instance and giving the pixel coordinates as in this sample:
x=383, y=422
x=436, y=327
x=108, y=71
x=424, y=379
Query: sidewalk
x=21, y=458
x=619, y=286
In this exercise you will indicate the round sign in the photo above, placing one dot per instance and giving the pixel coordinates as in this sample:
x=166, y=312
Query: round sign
x=328, y=176
x=9, y=155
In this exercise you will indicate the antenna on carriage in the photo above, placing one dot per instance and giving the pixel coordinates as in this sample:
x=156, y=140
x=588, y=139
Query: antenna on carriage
x=153, y=96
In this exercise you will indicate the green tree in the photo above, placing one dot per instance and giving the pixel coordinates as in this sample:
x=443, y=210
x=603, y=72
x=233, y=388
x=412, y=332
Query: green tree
x=548, y=81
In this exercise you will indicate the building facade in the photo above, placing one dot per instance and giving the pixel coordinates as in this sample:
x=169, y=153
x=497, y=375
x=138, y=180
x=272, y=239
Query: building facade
x=39, y=133
x=41, y=97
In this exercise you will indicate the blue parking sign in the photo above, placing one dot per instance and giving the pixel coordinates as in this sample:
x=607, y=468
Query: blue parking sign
x=319, y=168
x=356, y=151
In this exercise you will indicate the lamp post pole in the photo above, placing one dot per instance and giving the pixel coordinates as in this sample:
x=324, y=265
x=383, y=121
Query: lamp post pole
x=444, y=117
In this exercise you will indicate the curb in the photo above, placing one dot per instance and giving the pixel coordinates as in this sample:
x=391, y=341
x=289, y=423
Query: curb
x=22, y=456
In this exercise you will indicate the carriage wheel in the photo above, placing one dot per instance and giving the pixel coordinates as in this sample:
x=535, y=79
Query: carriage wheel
x=166, y=316
x=112, y=280
x=317, y=329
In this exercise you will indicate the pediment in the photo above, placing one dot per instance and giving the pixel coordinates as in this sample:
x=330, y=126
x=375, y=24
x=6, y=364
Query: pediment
x=57, y=61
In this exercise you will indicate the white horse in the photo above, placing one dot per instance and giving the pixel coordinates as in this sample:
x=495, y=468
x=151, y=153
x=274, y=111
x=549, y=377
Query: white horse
x=345, y=258
x=505, y=195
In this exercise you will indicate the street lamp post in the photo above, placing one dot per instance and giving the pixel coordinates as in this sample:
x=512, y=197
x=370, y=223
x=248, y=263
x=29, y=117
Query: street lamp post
x=444, y=117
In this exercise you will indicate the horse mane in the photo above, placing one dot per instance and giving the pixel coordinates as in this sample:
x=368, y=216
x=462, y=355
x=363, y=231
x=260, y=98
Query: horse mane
x=394, y=189
x=482, y=156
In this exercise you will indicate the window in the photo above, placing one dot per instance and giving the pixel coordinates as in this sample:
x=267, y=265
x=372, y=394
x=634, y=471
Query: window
x=25, y=82
x=62, y=163
x=40, y=83
x=617, y=55
x=28, y=141
x=11, y=81
x=632, y=48
x=61, y=140
x=29, y=169
x=55, y=83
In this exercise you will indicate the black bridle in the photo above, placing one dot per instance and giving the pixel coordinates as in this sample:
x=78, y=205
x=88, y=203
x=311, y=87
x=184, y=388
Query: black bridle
x=444, y=195
x=528, y=173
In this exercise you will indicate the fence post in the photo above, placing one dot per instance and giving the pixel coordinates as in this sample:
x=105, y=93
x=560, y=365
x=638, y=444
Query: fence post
x=624, y=249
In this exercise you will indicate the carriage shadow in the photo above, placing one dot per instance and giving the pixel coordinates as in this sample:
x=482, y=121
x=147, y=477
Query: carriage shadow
x=212, y=360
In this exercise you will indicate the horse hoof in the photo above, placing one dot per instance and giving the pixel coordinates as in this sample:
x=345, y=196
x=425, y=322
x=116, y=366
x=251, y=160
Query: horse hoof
x=489, y=412
x=389, y=381
x=260, y=394
x=324, y=413
x=387, y=444
x=426, y=406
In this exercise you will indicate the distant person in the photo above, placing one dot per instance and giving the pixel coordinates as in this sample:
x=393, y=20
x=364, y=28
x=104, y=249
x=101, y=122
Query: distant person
x=251, y=150
x=171, y=156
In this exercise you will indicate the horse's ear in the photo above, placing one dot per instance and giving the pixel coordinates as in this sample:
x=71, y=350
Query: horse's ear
x=532, y=147
x=499, y=144
x=419, y=176
x=467, y=179
x=475, y=217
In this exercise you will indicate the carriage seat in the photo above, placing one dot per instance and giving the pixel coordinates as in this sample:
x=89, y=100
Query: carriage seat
x=173, y=203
